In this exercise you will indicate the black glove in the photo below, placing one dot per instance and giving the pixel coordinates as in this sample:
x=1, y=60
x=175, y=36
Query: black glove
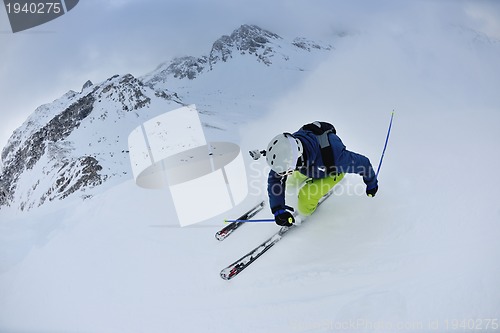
x=371, y=192
x=283, y=218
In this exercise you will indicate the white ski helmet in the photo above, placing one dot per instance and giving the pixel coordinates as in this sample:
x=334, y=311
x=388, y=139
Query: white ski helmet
x=283, y=152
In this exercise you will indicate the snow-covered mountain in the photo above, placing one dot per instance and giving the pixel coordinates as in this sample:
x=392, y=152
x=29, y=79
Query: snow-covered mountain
x=79, y=142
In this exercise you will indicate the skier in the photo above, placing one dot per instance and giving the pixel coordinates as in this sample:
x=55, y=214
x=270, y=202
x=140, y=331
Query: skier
x=316, y=152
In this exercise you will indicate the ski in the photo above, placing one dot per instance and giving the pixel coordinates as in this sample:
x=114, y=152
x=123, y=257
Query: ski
x=230, y=228
x=236, y=267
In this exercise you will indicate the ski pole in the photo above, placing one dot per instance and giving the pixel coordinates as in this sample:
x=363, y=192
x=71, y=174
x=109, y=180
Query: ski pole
x=385, y=145
x=258, y=220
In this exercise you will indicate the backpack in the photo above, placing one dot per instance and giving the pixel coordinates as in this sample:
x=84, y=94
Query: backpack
x=321, y=130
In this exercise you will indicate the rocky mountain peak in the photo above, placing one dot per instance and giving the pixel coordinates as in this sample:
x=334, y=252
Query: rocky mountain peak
x=187, y=66
x=87, y=84
x=249, y=39
x=264, y=45
x=44, y=142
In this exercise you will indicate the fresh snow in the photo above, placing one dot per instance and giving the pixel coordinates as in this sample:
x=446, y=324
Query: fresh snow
x=421, y=255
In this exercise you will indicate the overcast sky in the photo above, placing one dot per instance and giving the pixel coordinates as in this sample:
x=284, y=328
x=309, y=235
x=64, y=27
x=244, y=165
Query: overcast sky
x=100, y=38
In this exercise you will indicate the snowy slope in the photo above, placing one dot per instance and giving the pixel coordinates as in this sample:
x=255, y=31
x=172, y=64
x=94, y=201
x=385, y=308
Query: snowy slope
x=422, y=256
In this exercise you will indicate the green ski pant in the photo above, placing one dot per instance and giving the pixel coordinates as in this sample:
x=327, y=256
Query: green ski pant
x=313, y=191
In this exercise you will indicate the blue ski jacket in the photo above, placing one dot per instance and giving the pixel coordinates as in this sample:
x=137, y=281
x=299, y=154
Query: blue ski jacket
x=313, y=167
